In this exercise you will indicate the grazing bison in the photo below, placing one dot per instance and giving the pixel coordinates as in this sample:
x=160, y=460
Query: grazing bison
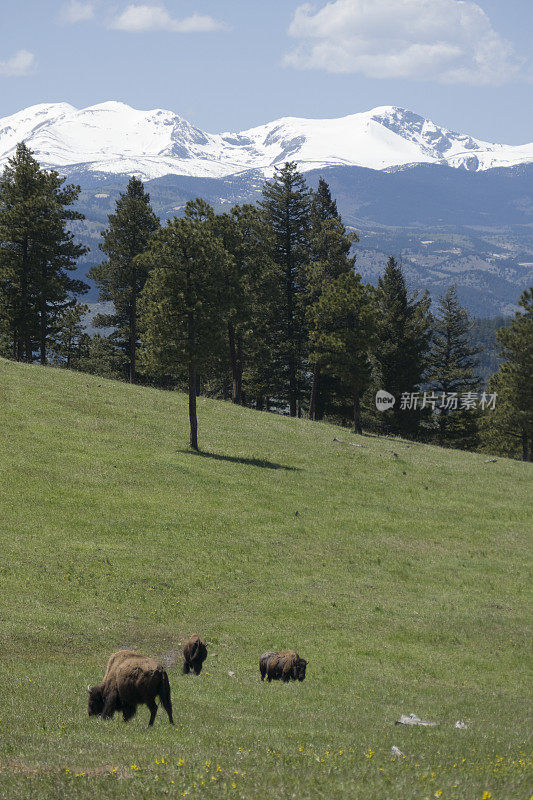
x=130, y=679
x=194, y=655
x=286, y=666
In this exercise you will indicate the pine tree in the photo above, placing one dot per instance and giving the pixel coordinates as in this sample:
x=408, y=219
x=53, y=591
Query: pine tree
x=37, y=252
x=69, y=332
x=344, y=320
x=182, y=303
x=286, y=204
x=330, y=258
x=121, y=278
x=508, y=428
x=451, y=370
x=404, y=333
x=246, y=237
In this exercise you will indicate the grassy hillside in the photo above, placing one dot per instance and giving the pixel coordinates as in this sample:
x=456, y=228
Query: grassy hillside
x=401, y=578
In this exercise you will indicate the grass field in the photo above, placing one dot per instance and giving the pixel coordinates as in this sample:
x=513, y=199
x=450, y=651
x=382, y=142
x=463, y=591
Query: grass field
x=402, y=579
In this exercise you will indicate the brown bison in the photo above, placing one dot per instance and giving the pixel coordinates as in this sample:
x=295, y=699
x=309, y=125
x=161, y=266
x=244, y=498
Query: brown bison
x=130, y=679
x=194, y=655
x=285, y=665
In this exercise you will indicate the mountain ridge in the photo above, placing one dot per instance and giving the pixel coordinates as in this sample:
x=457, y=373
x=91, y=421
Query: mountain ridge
x=114, y=138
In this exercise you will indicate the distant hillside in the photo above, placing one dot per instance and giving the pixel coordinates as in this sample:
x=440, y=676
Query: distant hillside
x=445, y=225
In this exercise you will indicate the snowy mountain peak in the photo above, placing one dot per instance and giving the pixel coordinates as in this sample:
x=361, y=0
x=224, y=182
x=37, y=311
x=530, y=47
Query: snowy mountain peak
x=112, y=137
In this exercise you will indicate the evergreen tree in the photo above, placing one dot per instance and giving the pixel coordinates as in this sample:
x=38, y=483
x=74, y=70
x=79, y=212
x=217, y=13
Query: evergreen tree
x=69, y=334
x=404, y=333
x=286, y=204
x=330, y=258
x=508, y=428
x=344, y=319
x=246, y=237
x=182, y=304
x=452, y=365
x=323, y=206
x=121, y=278
x=37, y=252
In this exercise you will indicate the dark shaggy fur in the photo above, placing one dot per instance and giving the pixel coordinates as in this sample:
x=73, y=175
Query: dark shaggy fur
x=194, y=655
x=130, y=680
x=286, y=666
x=263, y=662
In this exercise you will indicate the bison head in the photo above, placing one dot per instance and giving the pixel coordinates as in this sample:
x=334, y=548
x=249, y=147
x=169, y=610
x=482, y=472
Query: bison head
x=298, y=669
x=96, y=701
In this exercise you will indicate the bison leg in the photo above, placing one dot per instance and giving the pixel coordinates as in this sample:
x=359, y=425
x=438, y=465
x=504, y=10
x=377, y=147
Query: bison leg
x=186, y=668
x=128, y=712
x=110, y=705
x=152, y=705
x=197, y=667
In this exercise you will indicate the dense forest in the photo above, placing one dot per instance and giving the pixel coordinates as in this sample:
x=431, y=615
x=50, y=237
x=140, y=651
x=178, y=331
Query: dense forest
x=261, y=306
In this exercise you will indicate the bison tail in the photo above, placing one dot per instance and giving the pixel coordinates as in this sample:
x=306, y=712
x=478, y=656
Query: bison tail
x=164, y=694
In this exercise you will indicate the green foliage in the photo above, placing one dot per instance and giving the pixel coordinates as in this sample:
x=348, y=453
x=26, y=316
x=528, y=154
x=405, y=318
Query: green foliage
x=452, y=364
x=405, y=592
x=286, y=203
x=122, y=277
x=404, y=333
x=184, y=301
x=342, y=334
x=70, y=339
x=508, y=428
x=37, y=252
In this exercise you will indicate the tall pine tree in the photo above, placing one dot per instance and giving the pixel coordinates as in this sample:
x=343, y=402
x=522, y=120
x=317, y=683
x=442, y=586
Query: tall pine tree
x=286, y=203
x=343, y=327
x=183, y=302
x=122, y=277
x=452, y=362
x=404, y=332
x=508, y=428
x=330, y=245
x=37, y=253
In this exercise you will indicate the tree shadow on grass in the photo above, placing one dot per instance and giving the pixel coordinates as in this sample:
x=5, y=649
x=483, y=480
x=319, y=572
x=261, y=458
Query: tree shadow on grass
x=251, y=462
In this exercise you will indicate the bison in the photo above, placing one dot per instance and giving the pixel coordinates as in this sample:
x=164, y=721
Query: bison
x=130, y=679
x=285, y=665
x=194, y=655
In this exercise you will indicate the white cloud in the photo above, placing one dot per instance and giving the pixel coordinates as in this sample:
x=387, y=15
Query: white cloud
x=19, y=65
x=449, y=41
x=141, y=18
x=76, y=11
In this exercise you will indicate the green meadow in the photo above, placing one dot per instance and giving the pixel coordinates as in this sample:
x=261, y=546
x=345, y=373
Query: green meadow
x=399, y=570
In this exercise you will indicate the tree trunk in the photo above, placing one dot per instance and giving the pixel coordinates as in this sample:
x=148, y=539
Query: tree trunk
x=357, y=412
x=193, y=379
x=525, y=449
x=234, y=360
x=314, y=393
x=133, y=340
x=193, y=420
x=43, y=330
x=239, y=368
x=26, y=323
x=259, y=402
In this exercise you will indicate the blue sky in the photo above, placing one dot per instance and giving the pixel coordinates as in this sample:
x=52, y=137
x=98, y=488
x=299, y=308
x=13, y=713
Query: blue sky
x=233, y=64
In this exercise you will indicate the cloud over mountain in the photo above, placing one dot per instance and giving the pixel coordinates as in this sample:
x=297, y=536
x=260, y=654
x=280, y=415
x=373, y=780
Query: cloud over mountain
x=448, y=41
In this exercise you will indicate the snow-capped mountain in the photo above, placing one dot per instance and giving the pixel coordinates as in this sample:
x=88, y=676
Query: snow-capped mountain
x=115, y=138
